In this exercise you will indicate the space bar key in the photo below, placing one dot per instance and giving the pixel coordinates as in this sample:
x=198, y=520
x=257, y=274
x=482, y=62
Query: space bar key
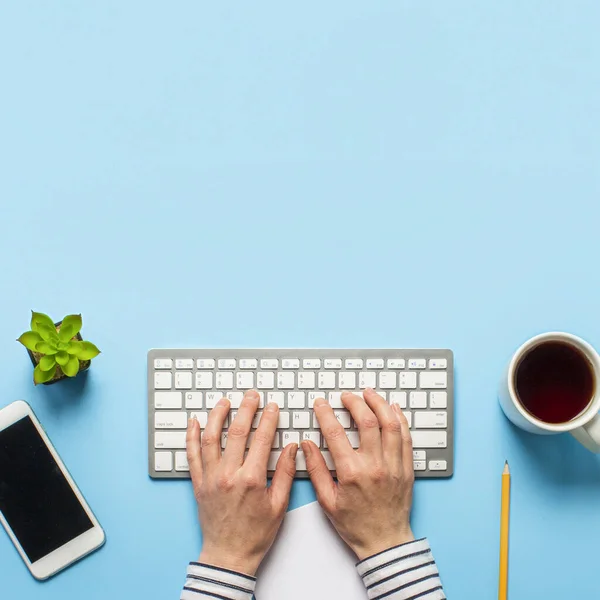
x=429, y=439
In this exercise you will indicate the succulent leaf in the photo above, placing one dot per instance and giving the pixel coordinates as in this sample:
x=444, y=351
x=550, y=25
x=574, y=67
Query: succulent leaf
x=62, y=358
x=29, y=339
x=47, y=362
x=72, y=367
x=37, y=318
x=40, y=376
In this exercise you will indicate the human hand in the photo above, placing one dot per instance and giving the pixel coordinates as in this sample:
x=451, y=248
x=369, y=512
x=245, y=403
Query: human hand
x=370, y=505
x=238, y=514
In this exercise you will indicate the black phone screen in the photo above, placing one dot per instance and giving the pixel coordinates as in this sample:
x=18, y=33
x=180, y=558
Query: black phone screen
x=35, y=498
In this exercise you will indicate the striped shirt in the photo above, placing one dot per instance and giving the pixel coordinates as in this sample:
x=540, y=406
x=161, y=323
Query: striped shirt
x=405, y=572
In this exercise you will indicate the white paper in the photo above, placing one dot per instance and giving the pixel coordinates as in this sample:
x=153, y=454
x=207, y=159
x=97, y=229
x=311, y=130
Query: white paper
x=309, y=560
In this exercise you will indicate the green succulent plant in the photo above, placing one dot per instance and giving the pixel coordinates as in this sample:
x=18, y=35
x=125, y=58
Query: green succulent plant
x=56, y=348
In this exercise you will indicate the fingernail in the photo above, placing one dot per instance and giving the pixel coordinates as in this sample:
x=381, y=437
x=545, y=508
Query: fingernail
x=191, y=422
x=370, y=390
x=251, y=394
x=320, y=402
x=272, y=407
x=223, y=402
x=306, y=449
x=344, y=392
x=396, y=408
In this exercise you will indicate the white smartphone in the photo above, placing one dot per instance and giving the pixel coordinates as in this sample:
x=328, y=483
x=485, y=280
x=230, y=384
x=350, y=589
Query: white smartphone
x=41, y=508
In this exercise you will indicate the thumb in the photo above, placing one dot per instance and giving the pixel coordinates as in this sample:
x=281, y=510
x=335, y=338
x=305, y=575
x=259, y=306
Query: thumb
x=284, y=477
x=320, y=476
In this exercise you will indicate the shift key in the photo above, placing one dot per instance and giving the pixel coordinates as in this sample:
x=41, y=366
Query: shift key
x=423, y=438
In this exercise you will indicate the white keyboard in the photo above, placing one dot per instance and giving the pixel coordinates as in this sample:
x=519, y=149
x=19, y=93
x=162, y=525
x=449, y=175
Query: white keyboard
x=184, y=383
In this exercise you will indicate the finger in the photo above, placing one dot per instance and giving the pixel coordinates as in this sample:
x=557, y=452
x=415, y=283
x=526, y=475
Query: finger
x=283, y=478
x=391, y=430
x=320, y=476
x=406, y=443
x=211, y=436
x=237, y=435
x=194, y=451
x=334, y=433
x=366, y=421
x=262, y=441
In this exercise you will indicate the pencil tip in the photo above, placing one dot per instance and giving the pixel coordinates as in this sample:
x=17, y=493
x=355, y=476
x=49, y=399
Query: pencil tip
x=506, y=469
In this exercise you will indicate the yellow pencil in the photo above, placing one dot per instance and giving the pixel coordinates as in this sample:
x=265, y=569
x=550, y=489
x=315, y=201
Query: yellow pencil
x=504, y=525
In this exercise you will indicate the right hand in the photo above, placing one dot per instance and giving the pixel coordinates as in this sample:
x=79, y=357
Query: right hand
x=370, y=505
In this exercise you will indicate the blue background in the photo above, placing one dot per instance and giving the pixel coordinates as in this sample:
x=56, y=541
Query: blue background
x=362, y=174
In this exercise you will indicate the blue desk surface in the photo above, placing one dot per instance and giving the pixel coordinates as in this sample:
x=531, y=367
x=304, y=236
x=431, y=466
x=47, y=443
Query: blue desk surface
x=364, y=174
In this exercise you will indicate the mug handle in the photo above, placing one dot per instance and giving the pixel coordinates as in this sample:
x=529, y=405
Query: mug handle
x=589, y=434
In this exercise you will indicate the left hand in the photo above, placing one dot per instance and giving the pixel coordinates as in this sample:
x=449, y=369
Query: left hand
x=238, y=514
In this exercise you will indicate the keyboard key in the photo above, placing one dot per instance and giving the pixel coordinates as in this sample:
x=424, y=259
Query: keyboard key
x=205, y=363
x=227, y=363
x=312, y=396
x=181, y=462
x=248, y=363
x=167, y=400
x=312, y=436
x=163, y=363
x=353, y=438
x=290, y=363
x=419, y=465
x=423, y=438
x=347, y=380
x=343, y=416
x=408, y=416
x=431, y=420
x=354, y=363
x=396, y=363
x=163, y=380
x=183, y=380
x=387, y=380
x=284, y=420
x=277, y=397
x=433, y=380
x=398, y=398
x=408, y=381
x=201, y=417
x=326, y=381
x=438, y=363
x=184, y=363
x=306, y=380
x=374, y=363
x=311, y=363
x=316, y=422
x=273, y=458
x=438, y=399
x=265, y=380
x=204, y=380
x=224, y=380
x=417, y=363
x=193, y=399
x=367, y=379
x=289, y=437
x=163, y=461
x=335, y=400
x=419, y=455
x=438, y=465
x=244, y=381
x=418, y=399
x=170, y=420
x=169, y=439
x=235, y=398
x=329, y=460
x=301, y=420
x=212, y=398
x=300, y=461
x=296, y=399
x=333, y=363
x=269, y=363
x=285, y=381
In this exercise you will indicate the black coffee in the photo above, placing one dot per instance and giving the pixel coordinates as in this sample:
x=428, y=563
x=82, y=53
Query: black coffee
x=555, y=382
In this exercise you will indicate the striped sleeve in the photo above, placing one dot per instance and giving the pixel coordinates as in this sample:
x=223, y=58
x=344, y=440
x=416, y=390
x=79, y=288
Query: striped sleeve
x=205, y=582
x=405, y=572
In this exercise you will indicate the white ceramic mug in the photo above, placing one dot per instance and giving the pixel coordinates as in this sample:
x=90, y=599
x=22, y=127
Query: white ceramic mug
x=585, y=427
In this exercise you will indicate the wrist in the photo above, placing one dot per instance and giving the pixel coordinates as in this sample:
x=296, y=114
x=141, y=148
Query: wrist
x=383, y=544
x=244, y=565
